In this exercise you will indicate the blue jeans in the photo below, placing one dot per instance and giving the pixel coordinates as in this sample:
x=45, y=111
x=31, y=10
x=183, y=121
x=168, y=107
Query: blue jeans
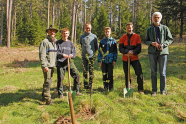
x=162, y=60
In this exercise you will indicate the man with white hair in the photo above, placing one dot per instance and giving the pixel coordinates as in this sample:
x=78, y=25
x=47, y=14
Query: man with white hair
x=158, y=38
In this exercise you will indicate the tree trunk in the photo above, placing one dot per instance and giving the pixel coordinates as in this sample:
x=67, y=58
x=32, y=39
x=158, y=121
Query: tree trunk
x=31, y=9
x=12, y=25
x=48, y=19
x=181, y=17
x=75, y=27
x=91, y=11
x=81, y=17
x=85, y=12
x=150, y=15
x=15, y=25
x=119, y=21
x=59, y=16
x=1, y=40
x=135, y=11
x=110, y=14
x=73, y=20
x=9, y=9
x=53, y=10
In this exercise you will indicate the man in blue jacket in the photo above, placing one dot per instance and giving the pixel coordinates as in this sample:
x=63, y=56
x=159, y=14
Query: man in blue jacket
x=158, y=38
x=107, y=57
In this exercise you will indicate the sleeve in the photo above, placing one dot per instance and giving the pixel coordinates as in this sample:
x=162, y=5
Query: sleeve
x=137, y=50
x=168, y=39
x=115, y=54
x=122, y=49
x=147, y=38
x=100, y=53
x=96, y=43
x=59, y=52
x=42, y=54
x=80, y=41
x=73, y=51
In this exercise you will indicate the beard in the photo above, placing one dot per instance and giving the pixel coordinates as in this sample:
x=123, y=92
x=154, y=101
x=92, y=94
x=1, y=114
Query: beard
x=157, y=22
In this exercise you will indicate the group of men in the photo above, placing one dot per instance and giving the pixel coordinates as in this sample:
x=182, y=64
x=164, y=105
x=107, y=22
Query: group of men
x=52, y=54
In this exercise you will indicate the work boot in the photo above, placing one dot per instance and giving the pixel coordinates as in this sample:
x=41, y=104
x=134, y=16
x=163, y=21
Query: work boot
x=163, y=93
x=78, y=93
x=141, y=92
x=153, y=94
x=60, y=96
x=49, y=102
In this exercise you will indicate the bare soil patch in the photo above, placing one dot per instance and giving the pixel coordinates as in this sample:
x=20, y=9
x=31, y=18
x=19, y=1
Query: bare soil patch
x=18, y=57
x=85, y=114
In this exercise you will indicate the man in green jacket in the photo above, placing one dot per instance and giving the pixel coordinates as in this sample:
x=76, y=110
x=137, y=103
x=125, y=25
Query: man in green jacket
x=47, y=56
x=158, y=38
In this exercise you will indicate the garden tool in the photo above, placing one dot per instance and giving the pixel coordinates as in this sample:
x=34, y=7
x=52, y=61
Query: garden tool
x=128, y=92
x=72, y=92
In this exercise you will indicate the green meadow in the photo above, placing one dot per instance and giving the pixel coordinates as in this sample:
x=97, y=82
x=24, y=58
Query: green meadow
x=21, y=87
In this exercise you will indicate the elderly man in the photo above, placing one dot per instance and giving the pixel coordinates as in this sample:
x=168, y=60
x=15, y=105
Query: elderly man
x=158, y=37
x=47, y=55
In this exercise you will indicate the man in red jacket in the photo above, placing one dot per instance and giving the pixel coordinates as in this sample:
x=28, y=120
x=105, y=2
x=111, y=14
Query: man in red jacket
x=130, y=46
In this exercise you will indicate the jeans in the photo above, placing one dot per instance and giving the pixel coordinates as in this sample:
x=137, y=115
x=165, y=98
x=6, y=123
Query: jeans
x=107, y=71
x=162, y=60
x=138, y=71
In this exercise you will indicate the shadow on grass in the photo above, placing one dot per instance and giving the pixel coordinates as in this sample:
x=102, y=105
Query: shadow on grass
x=24, y=64
x=23, y=96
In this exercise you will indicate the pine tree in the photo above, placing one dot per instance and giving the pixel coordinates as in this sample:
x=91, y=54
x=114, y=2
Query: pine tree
x=103, y=21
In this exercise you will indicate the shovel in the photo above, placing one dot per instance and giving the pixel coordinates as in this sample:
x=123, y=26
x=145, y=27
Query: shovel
x=73, y=93
x=128, y=92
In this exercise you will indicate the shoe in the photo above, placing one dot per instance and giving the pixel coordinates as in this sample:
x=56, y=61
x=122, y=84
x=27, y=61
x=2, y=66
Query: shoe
x=153, y=94
x=50, y=102
x=78, y=94
x=141, y=92
x=60, y=96
x=163, y=93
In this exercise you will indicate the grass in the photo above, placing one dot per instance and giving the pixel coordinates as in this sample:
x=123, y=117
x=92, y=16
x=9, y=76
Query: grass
x=21, y=86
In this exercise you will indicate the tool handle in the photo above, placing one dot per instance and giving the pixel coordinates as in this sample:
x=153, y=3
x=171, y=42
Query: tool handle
x=128, y=71
x=71, y=108
x=69, y=74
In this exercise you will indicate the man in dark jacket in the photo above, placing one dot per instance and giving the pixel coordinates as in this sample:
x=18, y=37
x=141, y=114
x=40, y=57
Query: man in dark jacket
x=89, y=45
x=66, y=50
x=107, y=57
x=47, y=55
x=130, y=47
x=158, y=38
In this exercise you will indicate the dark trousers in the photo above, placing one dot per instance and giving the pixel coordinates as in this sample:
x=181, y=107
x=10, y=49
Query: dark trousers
x=88, y=65
x=138, y=71
x=107, y=71
x=61, y=68
x=47, y=83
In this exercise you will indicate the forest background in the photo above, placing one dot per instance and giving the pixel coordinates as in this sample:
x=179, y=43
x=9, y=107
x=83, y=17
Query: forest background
x=26, y=21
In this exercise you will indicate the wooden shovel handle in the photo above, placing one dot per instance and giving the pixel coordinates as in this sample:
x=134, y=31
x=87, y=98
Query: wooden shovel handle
x=69, y=74
x=128, y=72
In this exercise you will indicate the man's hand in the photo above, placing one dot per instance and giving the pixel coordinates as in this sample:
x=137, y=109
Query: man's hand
x=113, y=63
x=45, y=69
x=156, y=45
x=65, y=56
x=127, y=55
x=70, y=56
x=131, y=53
x=99, y=64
